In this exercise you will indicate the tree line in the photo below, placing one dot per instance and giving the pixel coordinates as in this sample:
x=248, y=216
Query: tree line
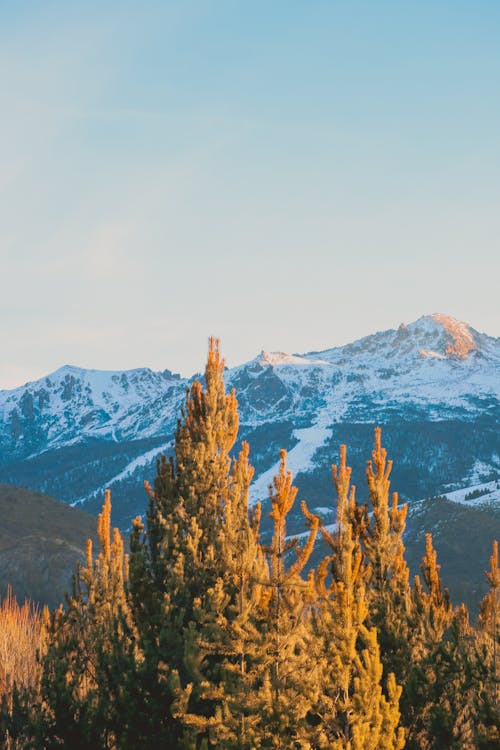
x=205, y=636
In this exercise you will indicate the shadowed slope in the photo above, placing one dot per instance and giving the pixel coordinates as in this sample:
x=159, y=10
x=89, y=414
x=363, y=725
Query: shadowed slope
x=41, y=542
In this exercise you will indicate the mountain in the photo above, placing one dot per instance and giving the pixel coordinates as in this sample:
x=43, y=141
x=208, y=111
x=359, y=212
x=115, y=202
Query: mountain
x=41, y=542
x=434, y=386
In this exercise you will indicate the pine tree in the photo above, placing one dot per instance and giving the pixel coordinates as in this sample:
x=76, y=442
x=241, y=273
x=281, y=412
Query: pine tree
x=282, y=675
x=153, y=565
x=436, y=661
x=375, y=726
x=354, y=712
x=83, y=701
x=432, y=606
x=452, y=706
x=390, y=598
x=490, y=619
x=489, y=638
x=246, y=577
x=190, y=571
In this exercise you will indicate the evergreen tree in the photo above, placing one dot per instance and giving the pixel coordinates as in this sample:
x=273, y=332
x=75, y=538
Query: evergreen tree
x=354, y=712
x=446, y=685
x=490, y=620
x=83, y=701
x=190, y=570
x=432, y=607
x=489, y=638
x=284, y=674
x=431, y=617
x=453, y=709
x=247, y=578
x=390, y=598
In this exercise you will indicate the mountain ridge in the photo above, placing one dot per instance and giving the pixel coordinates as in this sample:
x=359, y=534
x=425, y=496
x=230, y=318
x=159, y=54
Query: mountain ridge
x=77, y=431
x=446, y=324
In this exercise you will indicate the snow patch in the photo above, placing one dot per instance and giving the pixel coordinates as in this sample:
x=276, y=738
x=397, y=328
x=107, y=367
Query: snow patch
x=490, y=494
x=480, y=471
x=142, y=460
x=299, y=459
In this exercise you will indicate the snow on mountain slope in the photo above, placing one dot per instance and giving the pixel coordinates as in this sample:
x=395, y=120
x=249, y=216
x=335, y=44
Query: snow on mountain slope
x=74, y=404
x=77, y=431
x=140, y=462
x=435, y=360
x=299, y=458
x=485, y=494
x=434, y=369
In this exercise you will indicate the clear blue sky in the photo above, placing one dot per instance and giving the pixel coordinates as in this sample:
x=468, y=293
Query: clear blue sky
x=285, y=175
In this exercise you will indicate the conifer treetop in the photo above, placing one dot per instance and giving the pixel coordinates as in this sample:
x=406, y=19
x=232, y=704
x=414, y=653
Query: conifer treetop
x=378, y=470
x=282, y=494
x=346, y=495
x=383, y=467
x=111, y=567
x=210, y=414
x=430, y=572
x=433, y=606
x=493, y=574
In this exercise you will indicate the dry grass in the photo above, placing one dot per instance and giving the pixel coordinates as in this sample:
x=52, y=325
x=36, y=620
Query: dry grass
x=22, y=630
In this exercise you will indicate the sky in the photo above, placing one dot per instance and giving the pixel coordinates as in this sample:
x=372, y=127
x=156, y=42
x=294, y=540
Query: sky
x=284, y=175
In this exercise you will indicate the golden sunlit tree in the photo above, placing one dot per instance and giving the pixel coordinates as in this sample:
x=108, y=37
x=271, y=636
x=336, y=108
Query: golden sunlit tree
x=90, y=656
x=284, y=674
x=191, y=570
x=390, y=598
x=432, y=606
x=431, y=617
x=447, y=684
x=354, y=711
x=490, y=620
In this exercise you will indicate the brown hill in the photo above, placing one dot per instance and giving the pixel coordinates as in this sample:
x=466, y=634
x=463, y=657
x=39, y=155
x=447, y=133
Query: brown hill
x=462, y=536
x=41, y=542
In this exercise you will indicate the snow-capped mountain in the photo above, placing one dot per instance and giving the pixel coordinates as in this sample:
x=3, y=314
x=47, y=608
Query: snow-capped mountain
x=434, y=385
x=73, y=405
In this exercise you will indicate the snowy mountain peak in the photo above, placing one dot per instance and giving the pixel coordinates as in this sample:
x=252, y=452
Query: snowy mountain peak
x=431, y=348
x=452, y=338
